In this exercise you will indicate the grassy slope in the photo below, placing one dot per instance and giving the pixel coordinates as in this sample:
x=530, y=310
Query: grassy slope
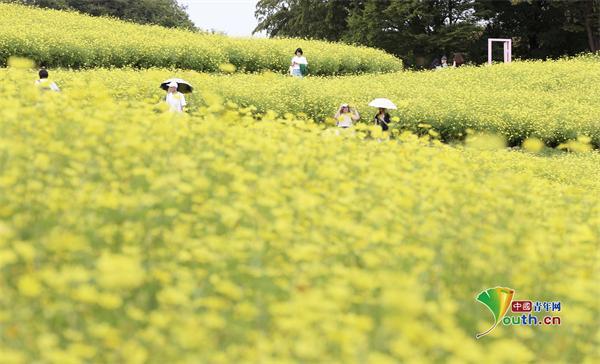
x=72, y=40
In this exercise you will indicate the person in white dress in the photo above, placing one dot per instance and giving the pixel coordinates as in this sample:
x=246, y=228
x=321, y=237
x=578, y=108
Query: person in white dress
x=299, y=64
x=175, y=99
x=345, y=116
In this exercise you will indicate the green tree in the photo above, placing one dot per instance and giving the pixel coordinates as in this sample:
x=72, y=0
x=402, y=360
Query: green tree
x=414, y=30
x=419, y=30
x=541, y=28
x=303, y=18
x=583, y=14
x=167, y=13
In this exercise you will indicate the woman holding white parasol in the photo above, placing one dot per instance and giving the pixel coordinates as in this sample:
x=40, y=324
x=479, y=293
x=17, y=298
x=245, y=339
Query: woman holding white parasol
x=382, y=118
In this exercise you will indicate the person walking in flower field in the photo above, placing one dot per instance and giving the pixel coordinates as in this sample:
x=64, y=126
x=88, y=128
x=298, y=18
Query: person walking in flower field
x=174, y=98
x=299, y=64
x=345, y=116
x=43, y=83
x=382, y=118
x=175, y=88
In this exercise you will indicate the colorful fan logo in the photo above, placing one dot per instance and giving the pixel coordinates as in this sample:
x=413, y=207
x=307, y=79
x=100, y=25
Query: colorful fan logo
x=498, y=301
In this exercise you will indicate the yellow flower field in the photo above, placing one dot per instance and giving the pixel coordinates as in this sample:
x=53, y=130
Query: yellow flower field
x=129, y=234
x=553, y=101
x=68, y=39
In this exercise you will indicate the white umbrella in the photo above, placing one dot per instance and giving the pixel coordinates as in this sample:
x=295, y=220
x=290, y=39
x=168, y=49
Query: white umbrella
x=182, y=85
x=384, y=103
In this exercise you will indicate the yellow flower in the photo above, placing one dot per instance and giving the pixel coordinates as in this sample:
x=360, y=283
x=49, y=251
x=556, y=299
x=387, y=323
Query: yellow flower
x=109, y=301
x=227, y=68
x=533, y=145
x=20, y=62
x=246, y=232
x=119, y=271
x=29, y=286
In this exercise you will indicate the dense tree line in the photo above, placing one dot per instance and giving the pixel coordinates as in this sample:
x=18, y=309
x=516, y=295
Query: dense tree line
x=420, y=30
x=167, y=13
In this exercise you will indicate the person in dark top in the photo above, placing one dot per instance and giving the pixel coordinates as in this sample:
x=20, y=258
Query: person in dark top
x=458, y=60
x=444, y=62
x=382, y=118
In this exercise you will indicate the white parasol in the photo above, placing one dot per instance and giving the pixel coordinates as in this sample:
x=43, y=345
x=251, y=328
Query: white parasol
x=384, y=103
